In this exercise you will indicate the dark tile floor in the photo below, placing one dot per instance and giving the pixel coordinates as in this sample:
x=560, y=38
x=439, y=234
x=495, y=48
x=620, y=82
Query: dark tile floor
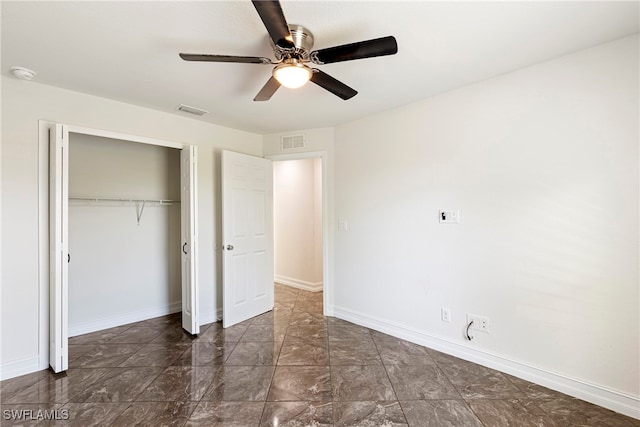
x=289, y=367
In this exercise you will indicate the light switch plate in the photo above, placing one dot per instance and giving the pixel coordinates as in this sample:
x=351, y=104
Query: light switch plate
x=450, y=216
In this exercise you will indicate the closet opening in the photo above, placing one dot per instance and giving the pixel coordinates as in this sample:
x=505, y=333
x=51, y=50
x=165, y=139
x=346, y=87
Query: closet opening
x=124, y=232
x=122, y=227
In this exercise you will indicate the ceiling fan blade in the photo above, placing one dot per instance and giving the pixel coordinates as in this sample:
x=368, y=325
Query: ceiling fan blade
x=334, y=86
x=225, y=58
x=268, y=90
x=359, y=50
x=273, y=18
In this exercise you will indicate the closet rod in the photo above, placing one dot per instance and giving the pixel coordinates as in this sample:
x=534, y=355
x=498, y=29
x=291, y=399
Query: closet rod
x=106, y=199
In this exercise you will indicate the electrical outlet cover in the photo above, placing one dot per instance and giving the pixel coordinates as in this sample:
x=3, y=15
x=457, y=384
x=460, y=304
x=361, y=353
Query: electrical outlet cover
x=480, y=323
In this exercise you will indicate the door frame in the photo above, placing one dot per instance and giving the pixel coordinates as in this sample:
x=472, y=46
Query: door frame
x=327, y=290
x=43, y=216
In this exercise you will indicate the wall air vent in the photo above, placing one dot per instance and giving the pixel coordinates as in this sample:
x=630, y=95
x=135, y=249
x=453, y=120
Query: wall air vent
x=192, y=110
x=291, y=142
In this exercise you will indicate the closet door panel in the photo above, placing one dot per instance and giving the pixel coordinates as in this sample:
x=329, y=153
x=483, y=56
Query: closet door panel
x=188, y=202
x=59, y=247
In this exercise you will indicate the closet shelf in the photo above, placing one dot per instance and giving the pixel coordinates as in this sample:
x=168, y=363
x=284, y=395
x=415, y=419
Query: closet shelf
x=139, y=209
x=108, y=199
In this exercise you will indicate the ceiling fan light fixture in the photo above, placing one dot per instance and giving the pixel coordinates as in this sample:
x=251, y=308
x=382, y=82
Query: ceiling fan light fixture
x=292, y=74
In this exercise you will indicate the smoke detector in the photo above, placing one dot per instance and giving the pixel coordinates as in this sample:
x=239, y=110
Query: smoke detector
x=23, y=73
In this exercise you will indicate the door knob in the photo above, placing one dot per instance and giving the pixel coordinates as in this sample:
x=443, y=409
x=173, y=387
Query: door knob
x=229, y=247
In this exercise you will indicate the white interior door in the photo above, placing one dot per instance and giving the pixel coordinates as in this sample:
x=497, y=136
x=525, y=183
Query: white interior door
x=247, y=233
x=188, y=200
x=59, y=249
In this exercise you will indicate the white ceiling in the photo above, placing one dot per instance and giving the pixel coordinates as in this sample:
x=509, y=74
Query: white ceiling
x=128, y=51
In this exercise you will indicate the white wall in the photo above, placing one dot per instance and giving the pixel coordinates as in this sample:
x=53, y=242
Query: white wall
x=298, y=223
x=543, y=165
x=24, y=348
x=122, y=269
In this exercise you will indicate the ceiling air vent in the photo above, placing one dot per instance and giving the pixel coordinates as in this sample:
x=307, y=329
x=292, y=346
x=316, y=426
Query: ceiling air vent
x=291, y=142
x=192, y=110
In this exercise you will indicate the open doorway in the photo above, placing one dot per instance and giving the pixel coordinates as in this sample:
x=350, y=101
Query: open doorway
x=297, y=214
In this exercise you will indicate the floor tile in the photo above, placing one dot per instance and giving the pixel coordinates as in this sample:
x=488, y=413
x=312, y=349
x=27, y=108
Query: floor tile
x=88, y=414
x=281, y=414
x=217, y=334
x=301, y=383
x=256, y=333
x=361, y=383
x=510, y=412
x=205, y=354
x=387, y=414
x=570, y=411
x=240, y=383
x=99, y=337
x=155, y=414
x=400, y=352
x=58, y=388
x=439, y=413
x=255, y=353
x=181, y=383
x=533, y=391
x=118, y=385
x=174, y=336
x=304, y=352
x=313, y=331
x=163, y=322
x=226, y=414
x=308, y=306
x=156, y=355
x=136, y=335
x=19, y=385
x=354, y=352
x=412, y=382
x=304, y=318
x=105, y=356
x=76, y=350
x=272, y=318
x=475, y=381
x=349, y=332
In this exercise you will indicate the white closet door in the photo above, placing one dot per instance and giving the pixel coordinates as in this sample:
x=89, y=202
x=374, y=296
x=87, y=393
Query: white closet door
x=247, y=232
x=59, y=249
x=188, y=201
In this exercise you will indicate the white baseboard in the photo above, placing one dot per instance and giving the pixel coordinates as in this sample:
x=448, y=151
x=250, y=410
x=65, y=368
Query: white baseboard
x=19, y=367
x=123, y=319
x=299, y=284
x=616, y=401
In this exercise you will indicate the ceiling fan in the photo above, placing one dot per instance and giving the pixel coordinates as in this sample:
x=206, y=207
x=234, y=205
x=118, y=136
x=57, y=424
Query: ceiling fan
x=292, y=46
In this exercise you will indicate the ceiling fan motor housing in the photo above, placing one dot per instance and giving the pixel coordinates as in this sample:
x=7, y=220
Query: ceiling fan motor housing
x=302, y=40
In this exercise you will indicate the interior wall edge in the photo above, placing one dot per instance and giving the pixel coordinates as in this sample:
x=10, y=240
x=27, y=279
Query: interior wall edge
x=616, y=401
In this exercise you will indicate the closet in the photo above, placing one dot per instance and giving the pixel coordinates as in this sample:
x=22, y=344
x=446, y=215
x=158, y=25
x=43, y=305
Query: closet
x=124, y=232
